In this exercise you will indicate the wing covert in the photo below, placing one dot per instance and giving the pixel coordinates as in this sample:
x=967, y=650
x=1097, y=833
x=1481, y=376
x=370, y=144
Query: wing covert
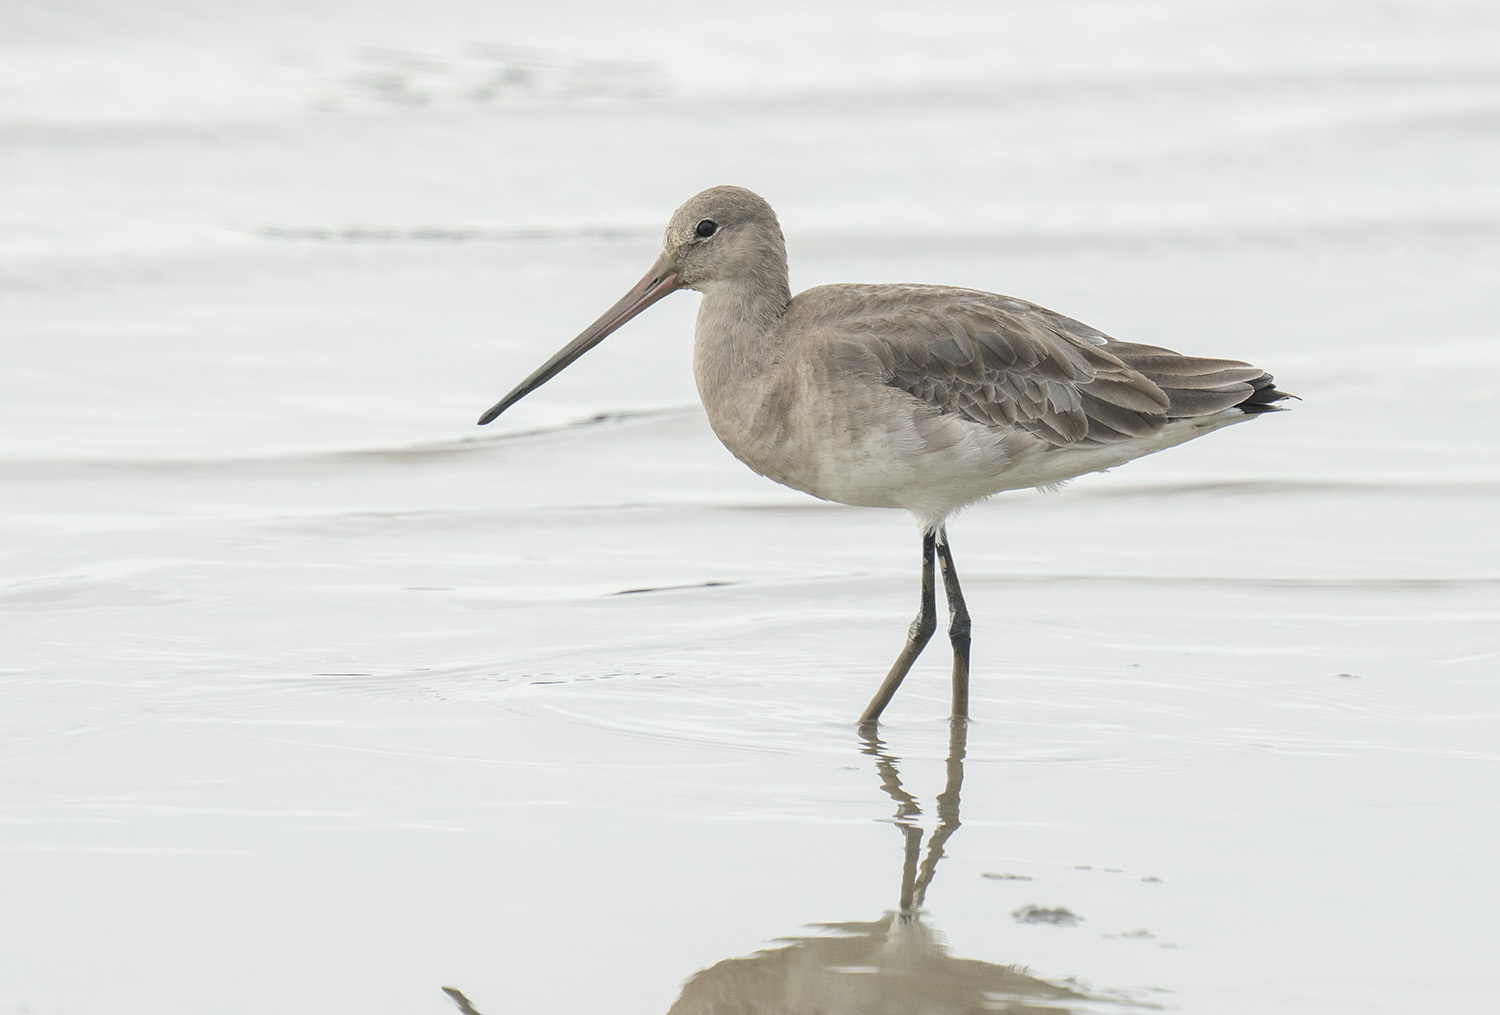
x=1008, y=363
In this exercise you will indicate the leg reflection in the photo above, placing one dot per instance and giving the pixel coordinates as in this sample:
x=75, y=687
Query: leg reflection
x=915, y=876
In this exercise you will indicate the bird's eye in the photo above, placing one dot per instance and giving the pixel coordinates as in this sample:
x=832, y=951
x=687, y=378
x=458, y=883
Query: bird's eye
x=707, y=228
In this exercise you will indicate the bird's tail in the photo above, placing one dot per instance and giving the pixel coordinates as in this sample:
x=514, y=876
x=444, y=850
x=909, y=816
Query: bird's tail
x=1263, y=396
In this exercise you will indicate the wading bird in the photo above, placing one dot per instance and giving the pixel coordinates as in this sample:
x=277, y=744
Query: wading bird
x=921, y=397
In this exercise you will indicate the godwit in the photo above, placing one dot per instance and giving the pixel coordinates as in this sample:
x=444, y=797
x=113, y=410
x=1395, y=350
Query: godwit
x=920, y=397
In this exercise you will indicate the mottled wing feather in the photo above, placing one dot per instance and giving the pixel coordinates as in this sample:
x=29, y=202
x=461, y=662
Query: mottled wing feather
x=1008, y=363
x=1005, y=362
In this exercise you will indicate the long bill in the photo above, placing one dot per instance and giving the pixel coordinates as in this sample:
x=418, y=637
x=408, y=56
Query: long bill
x=659, y=282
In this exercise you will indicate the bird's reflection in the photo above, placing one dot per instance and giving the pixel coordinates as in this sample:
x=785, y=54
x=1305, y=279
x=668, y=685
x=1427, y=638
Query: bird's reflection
x=896, y=965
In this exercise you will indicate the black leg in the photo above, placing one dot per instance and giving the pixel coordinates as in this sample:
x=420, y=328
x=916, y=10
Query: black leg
x=958, y=627
x=916, y=637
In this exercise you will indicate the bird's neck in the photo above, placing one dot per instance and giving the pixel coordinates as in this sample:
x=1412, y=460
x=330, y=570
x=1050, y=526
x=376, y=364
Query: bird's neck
x=739, y=331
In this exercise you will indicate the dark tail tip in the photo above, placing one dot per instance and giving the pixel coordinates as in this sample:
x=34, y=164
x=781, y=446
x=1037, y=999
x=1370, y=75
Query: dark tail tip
x=1263, y=396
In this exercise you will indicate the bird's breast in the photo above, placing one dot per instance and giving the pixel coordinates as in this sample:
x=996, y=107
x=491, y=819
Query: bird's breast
x=823, y=421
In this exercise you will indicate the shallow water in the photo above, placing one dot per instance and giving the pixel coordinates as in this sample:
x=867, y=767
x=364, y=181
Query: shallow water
x=317, y=698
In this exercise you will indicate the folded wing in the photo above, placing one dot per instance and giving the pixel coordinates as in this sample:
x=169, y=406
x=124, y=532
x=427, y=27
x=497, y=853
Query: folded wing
x=1007, y=363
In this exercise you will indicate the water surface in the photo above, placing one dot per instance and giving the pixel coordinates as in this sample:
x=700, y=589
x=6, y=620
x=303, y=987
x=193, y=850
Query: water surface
x=317, y=698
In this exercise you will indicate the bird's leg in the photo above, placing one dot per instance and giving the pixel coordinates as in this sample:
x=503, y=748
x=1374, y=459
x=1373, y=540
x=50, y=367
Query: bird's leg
x=958, y=627
x=916, y=636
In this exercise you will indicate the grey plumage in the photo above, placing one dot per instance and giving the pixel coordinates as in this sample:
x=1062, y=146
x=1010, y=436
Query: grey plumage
x=920, y=397
x=1004, y=362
